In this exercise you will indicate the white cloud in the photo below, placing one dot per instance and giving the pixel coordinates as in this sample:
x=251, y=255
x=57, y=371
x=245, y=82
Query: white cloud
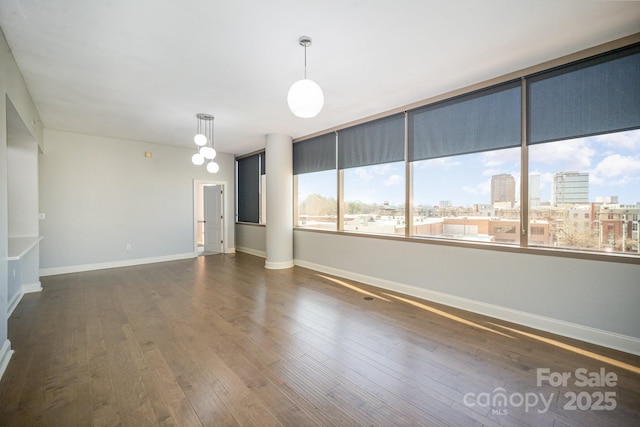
x=394, y=180
x=501, y=157
x=629, y=140
x=492, y=172
x=482, y=188
x=570, y=155
x=363, y=174
x=382, y=169
x=439, y=163
x=616, y=169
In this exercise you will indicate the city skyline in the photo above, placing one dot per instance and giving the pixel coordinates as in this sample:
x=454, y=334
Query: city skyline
x=612, y=162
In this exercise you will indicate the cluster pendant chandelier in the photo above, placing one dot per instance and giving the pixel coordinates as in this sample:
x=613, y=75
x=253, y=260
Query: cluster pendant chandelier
x=305, y=97
x=204, y=141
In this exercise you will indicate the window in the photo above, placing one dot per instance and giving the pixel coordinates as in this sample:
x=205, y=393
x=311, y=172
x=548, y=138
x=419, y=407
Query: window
x=582, y=144
x=504, y=229
x=473, y=197
x=374, y=199
x=317, y=200
x=458, y=161
x=581, y=177
x=315, y=180
x=465, y=165
x=250, y=191
x=372, y=158
x=537, y=230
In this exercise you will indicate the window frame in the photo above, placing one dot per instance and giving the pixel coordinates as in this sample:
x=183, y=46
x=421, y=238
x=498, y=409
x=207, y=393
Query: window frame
x=630, y=42
x=260, y=200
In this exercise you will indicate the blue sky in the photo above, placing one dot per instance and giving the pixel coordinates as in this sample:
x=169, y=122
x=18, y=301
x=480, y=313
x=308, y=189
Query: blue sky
x=612, y=161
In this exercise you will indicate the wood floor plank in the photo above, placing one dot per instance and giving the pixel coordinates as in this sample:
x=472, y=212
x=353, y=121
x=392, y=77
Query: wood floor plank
x=132, y=400
x=103, y=397
x=309, y=398
x=219, y=340
x=10, y=396
x=167, y=386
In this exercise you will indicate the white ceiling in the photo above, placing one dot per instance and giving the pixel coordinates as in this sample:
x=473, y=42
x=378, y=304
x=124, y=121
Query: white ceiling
x=141, y=70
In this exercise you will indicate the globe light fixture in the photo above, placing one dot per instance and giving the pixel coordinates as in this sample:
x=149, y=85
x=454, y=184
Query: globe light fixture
x=197, y=159
x=305, y=97
x=204, y=140
x=208, y=152
x=213, y=167
x=200, y=140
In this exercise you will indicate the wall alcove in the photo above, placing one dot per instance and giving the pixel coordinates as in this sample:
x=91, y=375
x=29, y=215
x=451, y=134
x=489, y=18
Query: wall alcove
x=22, y=210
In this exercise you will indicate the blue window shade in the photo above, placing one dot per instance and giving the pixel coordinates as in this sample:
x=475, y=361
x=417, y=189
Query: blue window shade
x=249, y=189
x=372, y=143
x=488, y=119
x=315, y=154
x=590, y=97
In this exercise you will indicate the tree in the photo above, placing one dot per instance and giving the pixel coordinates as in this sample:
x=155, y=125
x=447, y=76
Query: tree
x=317, y=205
x=571, y=234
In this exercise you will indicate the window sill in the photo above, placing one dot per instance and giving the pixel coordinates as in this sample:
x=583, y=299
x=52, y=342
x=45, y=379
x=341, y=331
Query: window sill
x=531, y=250
x=250, y=223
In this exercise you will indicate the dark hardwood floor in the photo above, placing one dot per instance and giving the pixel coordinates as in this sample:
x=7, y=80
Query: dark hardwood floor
x=219, y=340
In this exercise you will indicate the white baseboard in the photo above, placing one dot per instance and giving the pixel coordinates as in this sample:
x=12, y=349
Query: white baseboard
x=5, y=356
x=13, y=303
x=250, y=251
x=278, y=265
x=51, y=271
x=25, y=288
x=584, y=333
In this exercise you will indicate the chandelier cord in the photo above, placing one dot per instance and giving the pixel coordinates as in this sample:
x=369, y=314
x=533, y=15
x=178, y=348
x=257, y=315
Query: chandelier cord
x=211, y=132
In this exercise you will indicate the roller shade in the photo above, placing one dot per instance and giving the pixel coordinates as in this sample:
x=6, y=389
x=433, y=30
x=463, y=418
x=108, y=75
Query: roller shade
x=372, y=143
x=315, y=154
x=594, y=96
x=489, y=119
x=249, y=189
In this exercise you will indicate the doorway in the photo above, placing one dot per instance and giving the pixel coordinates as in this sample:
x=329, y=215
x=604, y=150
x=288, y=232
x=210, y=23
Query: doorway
x=209, y=217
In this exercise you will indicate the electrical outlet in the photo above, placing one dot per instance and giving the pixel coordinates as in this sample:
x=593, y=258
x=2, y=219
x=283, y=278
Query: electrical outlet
x=128, y=246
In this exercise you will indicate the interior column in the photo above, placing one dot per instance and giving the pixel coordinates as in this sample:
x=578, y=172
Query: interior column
x=279, y=177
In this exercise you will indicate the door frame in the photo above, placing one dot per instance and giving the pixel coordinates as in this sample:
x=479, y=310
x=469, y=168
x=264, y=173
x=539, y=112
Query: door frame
x=197, y=183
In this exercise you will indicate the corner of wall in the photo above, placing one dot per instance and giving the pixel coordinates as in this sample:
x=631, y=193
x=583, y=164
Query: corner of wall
x=5, y=355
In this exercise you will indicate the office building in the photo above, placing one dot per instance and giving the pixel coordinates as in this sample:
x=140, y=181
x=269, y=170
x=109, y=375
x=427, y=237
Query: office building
x=503, y=189
x=534, y=190
x=570, y=188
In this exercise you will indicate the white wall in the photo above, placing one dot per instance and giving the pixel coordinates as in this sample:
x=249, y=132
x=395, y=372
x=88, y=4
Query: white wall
x=251, y=239
x=22, y=204
x=594, y=301
x=5, y=346
x=13, y=91
x=101, y=194
x=22, y=180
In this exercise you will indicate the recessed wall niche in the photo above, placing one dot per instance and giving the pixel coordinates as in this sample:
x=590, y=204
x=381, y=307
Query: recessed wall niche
x=22, y=209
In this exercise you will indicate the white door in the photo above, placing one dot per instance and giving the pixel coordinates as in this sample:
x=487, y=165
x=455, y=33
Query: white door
x=213, y=218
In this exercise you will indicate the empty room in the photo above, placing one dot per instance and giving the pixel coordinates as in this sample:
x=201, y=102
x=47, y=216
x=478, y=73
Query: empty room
x=322, y=213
